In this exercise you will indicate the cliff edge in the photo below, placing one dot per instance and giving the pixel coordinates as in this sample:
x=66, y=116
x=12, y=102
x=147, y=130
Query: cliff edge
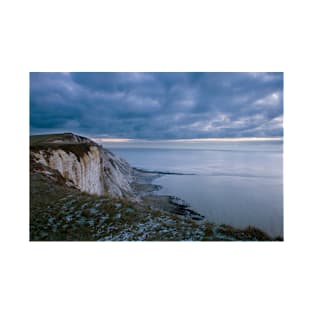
x=81, y=163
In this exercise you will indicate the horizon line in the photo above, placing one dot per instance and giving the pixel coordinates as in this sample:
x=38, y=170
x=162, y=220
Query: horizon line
x=120, y=140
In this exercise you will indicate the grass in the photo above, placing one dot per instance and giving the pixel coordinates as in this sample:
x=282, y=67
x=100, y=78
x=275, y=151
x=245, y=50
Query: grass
x=249, y=233
x=61, y=213
x=46, y=144
x=37, y=139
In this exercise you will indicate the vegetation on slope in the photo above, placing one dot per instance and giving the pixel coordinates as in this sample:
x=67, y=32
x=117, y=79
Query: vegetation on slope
x=38, y=139
x=60, y=141
x=58, y=212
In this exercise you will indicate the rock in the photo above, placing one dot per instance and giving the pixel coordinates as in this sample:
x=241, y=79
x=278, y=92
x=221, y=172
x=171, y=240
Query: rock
x=83, y=164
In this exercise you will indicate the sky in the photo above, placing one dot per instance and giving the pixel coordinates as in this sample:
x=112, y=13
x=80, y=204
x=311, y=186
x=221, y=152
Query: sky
x=182, y=105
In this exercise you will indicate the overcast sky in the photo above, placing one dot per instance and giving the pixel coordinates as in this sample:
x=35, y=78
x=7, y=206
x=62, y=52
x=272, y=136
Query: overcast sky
x=158, y=105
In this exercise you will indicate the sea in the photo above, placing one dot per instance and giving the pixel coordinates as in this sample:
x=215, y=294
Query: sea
x=234, y=182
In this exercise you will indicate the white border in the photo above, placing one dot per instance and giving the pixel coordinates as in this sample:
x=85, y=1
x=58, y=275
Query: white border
x=156, y=36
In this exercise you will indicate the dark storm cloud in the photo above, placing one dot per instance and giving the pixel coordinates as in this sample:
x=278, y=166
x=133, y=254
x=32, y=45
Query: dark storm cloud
x=158, y=105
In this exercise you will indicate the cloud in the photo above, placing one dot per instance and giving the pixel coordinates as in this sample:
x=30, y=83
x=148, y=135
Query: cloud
x=158, y=105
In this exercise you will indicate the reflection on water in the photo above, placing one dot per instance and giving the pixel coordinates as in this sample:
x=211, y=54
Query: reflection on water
x=239, y=201
x=235, y=183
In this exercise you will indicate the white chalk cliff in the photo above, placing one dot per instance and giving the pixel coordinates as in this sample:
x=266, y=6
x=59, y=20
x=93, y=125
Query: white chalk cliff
x=92, y=169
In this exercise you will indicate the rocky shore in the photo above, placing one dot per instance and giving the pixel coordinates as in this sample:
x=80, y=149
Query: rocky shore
x=145, y=190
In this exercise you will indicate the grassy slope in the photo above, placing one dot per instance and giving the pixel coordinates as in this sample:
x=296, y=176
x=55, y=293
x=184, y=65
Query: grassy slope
x=44, y=142
x=37, y=139
x=58, y=212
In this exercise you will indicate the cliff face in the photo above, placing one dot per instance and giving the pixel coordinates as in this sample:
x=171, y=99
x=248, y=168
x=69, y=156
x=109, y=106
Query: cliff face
x=84, y=165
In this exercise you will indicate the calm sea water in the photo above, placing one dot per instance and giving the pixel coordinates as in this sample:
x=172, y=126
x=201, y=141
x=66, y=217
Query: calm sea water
x=236, y=183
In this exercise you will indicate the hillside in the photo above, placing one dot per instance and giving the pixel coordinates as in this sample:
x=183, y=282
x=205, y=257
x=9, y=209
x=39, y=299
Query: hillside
x=80, y=191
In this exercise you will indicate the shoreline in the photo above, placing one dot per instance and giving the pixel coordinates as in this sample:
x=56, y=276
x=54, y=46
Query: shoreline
x=145, y=190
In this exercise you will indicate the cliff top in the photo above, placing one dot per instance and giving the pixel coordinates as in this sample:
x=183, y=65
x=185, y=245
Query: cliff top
x=63, y=138
x=67, y=142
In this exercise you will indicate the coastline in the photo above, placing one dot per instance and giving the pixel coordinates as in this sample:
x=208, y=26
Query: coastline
x=144, y=187
x=145, y=190
x=129, y=210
